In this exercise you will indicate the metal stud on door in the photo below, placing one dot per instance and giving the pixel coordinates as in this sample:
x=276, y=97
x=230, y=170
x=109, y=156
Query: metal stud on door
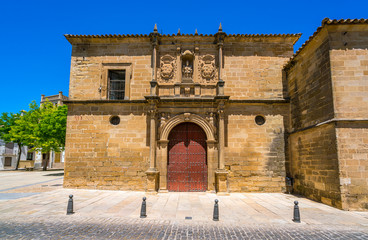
x=187, y=166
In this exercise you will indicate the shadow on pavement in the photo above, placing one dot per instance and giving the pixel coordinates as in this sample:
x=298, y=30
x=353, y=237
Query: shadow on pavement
x=54, y=174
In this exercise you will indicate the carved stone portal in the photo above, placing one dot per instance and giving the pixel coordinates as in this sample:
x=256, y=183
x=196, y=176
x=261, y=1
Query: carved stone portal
x=167, y=68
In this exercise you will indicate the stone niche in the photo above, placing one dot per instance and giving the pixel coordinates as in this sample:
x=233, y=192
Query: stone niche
x=187, y=61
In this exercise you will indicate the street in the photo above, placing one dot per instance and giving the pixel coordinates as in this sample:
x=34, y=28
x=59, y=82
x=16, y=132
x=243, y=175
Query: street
x=33, y=206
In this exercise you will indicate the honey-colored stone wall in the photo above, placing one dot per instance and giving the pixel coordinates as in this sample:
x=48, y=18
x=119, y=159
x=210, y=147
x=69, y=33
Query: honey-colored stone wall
x=314, y=164
x=352, y=144
x=313, y=157
x=328, y=81
x=88, y=68
x=309, y=84
x=350, y=82
x=100, y=155
x=255, y=154
x=254, y=70
x=349, y=69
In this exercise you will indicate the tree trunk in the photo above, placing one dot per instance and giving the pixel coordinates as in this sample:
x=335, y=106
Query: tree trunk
x=46, y=162
x=19, y=153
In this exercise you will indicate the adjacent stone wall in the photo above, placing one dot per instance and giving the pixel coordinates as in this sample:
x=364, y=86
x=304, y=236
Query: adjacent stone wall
x=310, y=87
x=255, y=154
x=315, y=166
x=352, y=139
x=349, y=70
x=328, y=81
x=100, y=155
x=313, y=157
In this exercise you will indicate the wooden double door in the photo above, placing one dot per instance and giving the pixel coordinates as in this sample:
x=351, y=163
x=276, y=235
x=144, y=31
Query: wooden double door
x=187, y=159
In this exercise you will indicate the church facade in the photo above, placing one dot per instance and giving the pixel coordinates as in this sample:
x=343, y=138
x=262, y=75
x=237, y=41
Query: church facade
x=222, y=113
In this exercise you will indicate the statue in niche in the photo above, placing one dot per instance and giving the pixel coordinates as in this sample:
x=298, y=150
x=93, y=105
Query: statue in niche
x=187, y=66
x=187, y=70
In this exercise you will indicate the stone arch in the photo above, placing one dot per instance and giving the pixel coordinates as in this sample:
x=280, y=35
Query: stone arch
x=188, y=117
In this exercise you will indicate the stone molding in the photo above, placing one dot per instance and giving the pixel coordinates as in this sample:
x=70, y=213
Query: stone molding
x=187, y=117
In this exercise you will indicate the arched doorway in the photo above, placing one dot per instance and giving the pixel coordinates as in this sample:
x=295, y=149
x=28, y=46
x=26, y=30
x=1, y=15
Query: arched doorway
x=187, y=159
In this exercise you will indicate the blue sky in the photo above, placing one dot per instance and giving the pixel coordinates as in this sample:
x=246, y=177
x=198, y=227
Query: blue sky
x=35, y=56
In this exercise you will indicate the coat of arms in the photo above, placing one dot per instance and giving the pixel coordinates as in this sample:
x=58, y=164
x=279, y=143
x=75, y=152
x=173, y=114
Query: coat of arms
x=167, y=67
x=208, y=68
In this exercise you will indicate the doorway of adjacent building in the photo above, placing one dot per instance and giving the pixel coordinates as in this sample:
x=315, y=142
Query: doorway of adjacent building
x=187, y=159
x=8, y=162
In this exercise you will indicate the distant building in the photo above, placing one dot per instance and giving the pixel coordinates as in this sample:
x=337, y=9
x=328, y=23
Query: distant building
x=55, y=99
x=9, y=156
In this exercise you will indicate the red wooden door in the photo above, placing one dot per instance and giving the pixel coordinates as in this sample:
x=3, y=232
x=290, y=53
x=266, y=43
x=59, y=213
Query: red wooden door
x=187, y=165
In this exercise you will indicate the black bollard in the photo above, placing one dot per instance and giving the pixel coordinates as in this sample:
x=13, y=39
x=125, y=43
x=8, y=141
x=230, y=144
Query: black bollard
x=69, y=210
x=216, y=211
x=143, y=208
x=296, y=212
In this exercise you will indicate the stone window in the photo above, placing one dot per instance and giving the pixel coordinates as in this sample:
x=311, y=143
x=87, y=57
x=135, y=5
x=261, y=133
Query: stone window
x=117, y=84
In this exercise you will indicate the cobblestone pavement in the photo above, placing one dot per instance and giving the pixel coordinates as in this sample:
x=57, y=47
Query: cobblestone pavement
x=33, y=206
x=70, y=227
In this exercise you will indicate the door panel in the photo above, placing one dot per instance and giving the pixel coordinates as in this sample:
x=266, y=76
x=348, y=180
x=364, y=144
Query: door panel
x=187, y=166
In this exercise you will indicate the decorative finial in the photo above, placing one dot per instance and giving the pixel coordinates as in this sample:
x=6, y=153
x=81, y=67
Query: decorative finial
x=196, y=32
x=179, y=31
x=220, y=28
x=155, y=28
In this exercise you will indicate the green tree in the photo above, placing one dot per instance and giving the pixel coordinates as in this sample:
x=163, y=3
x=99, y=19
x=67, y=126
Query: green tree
x=51, y=128
x=7, y=121
x=22, y=131
x=41, y=128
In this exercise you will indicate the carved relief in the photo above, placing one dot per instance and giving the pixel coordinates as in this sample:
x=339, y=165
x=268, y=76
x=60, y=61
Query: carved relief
x=163, y=118
x=208, y=71
x=210, y=118
x=166, y=72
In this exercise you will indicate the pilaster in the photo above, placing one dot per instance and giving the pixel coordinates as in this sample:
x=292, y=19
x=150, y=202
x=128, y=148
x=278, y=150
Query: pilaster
x=152, y=173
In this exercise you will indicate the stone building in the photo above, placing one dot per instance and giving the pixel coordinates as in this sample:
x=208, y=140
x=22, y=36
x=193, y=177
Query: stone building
x=221, y=113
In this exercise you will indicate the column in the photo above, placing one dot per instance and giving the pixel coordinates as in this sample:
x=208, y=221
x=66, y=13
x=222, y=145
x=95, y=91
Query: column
x=221, y=172
x=152, y=173
x=221, y=139
x=152, y=140
x=162, y=164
